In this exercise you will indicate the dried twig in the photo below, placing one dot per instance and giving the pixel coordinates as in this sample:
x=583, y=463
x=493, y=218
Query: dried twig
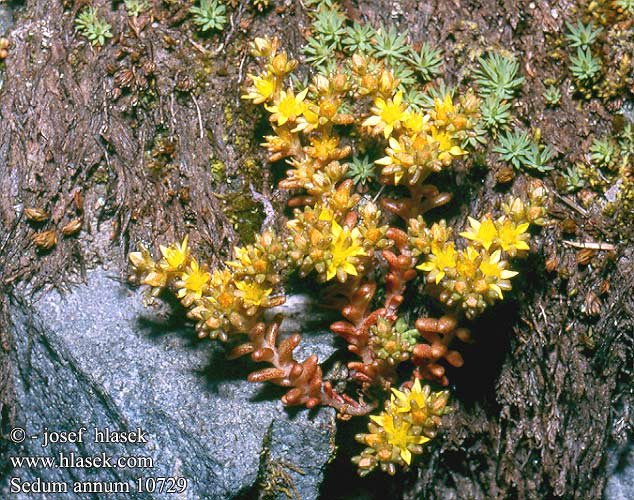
x=591, y=245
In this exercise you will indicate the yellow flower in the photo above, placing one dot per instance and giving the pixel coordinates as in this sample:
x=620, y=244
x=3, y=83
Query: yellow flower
x=263, y=88
x=399, y=159
x=442, y=138
x=309, y=120
x=440, y=260
x=467, y=264
x=288, y=107
x=484, y=233
x=326, y=213
x=491, y=267
x=345, y=246
x=416, y=395
x=175, y=255
x=512, y=237
x=242, y=258
x=416, y=122
x=252, y=294
x=444, y=108
x=445, y=145
x=219, y=286
x=397, y=431
x=220, y=279
x=325, y=148
x=193, y=282
x=388, y=115
x=420, y=404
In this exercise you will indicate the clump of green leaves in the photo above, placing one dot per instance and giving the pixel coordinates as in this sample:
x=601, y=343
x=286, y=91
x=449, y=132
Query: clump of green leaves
x=361, y=170
x=358, y=38
x=539, y=157
x=331, y=35
x=584, y=66
x=320, y=53
x=414, y=97
x=626, y=143
x=135, y=8
x=582, y=35
x=391, y=45
x=495, y=114
x=404, y=73
x=94, y=28
x=427, y=62
x=209, y=15
x=521, y=151
x=497, y=75
x=604, y=153
x=552, y=95
x=573, y=179
x=329, y=25
x=514, y=147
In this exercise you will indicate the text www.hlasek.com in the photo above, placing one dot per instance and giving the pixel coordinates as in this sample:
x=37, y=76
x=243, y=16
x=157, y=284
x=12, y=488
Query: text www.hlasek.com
x=71, y=460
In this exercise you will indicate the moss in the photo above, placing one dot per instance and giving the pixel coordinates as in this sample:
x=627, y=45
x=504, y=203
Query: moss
x=245, y=214
x=218, y=169
x=229, y=116
x=623, y=209
x=101, y=175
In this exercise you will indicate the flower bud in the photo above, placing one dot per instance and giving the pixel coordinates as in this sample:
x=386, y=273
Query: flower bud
x=369, y=82
x=388, y=83
x=36, y=214
x=504, y=175
x=339, y=82
x=359, y=64
x=72, y=227
x=262, y=47
x=281, y=66
x=322, y=84
x=45, y=240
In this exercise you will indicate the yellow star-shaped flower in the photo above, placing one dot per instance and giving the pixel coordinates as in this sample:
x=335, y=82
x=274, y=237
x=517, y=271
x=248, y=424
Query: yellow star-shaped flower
x=484, y=233
x=175, y=255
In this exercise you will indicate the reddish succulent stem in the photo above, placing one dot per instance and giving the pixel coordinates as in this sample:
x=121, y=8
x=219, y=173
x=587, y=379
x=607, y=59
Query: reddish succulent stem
x=401, y=270
x=439, y=333
x=304, y=379
x=423, y=197
x=356, y=331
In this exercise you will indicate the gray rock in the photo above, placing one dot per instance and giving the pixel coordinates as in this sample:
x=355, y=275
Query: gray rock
x=6, y=18
x=97, y=358
x=620, y=484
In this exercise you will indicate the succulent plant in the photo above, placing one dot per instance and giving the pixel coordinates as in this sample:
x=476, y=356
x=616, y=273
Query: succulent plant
x=552, y=95
x=94, y=28
x=209, y=15
x=582, y=35
x=584, y=66
x=497, y=75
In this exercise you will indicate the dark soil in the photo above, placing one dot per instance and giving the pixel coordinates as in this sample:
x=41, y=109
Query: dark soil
x=544, y=392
